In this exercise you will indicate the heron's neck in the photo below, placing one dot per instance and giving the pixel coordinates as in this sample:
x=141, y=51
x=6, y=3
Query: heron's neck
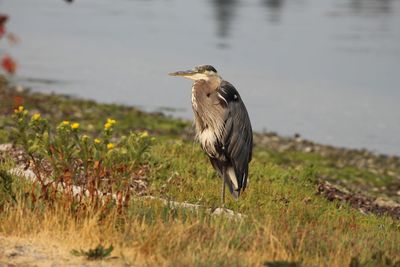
x=214, y=82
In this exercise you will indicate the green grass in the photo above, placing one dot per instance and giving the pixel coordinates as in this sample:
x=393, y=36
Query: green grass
x=286, y=221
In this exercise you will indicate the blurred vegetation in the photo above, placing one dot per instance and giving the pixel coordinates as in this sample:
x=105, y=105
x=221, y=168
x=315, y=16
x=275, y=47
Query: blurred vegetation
x=7, y=63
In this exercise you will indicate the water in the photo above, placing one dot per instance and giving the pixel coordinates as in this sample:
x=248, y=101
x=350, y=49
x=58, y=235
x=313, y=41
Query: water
x=327, y=69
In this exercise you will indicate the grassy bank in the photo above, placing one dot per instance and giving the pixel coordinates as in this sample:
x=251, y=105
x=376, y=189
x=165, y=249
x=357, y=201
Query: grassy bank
x=286, y=219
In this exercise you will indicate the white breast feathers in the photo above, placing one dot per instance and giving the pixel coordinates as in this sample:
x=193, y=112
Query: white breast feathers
x=208, y=140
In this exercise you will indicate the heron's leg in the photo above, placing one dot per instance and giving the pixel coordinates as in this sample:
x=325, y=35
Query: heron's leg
x=223, y=192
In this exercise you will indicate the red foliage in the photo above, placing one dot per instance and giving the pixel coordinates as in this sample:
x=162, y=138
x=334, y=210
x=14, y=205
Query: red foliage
x=18, y=101
x=3, y=20
x=8, y=64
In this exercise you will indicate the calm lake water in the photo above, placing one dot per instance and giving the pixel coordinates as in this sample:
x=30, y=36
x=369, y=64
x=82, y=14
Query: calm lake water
x=327, y=69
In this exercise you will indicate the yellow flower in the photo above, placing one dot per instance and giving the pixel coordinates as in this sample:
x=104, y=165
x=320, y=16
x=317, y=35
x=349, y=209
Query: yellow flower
x=85, y=137
x=111, y=121
x=97, y=141
x=107, y=126
x=36, y=116
x=144, y=134
x=63, y=124
x=19, y=109
x=110, y=146
x=74, y=125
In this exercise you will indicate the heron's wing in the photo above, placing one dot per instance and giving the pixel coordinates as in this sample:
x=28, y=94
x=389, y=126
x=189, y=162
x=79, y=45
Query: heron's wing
x=237, y=140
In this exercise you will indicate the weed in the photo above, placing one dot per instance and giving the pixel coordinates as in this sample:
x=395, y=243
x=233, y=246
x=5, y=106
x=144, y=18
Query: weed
x=97, y=253
x=65, y=158
x=6, y=191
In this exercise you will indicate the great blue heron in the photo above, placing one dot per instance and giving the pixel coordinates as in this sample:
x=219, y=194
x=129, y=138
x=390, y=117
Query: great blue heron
x=223, y=126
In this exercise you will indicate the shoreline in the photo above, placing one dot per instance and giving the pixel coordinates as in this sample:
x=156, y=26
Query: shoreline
x=284, y=142
x=170, y=111
x=158, y=123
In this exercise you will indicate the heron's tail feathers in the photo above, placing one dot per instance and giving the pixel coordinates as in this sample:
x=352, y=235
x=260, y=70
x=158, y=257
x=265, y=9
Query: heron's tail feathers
x=232, y=182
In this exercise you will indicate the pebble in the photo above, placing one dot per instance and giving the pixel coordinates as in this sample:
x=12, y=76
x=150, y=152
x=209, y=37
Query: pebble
x=5, y=147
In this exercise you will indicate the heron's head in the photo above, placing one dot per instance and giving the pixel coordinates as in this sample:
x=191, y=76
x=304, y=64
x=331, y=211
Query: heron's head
x=201, y=72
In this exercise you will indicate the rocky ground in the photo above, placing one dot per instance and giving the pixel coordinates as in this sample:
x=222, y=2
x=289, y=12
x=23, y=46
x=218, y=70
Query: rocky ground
x=359, y=196
x=340, y=157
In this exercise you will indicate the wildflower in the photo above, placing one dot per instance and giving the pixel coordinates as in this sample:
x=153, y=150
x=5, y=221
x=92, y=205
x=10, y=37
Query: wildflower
x=85, y=137
x=74, y=125
x=107, y=126
x=19, y=109
x=97, y=141
x=144, y=134
x=111, y=121
x=63, y=124
x=35, y=117
x=110, y=146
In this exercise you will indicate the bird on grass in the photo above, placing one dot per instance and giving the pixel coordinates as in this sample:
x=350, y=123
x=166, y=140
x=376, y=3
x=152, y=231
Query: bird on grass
x=223, y=127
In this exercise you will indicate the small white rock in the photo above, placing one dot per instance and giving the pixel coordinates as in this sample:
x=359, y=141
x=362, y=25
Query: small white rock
x=5, y=147
x=380, y=201
x=228, y=213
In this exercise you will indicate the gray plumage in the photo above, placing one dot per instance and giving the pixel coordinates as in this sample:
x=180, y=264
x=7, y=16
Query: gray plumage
x=223, y=126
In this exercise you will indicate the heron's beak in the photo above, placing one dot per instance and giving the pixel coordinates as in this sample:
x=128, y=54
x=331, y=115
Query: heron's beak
x=186, y=73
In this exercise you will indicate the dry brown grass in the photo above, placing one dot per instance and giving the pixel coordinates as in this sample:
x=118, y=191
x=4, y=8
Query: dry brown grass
x=174, y=240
